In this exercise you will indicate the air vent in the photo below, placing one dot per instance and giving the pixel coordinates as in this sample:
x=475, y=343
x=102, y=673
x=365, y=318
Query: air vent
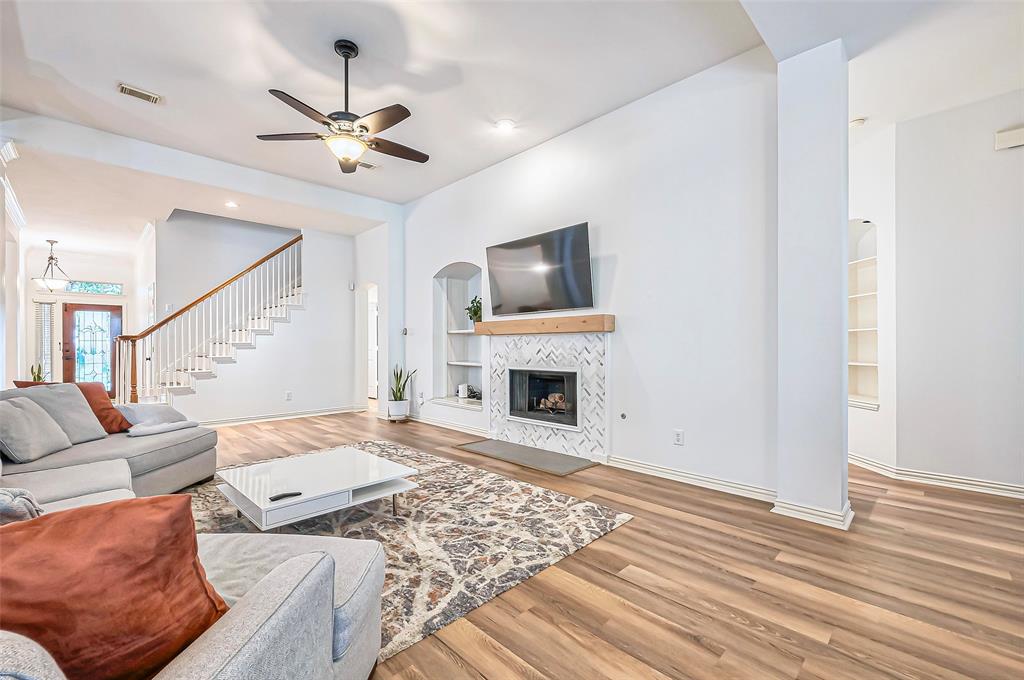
x=139, y=94
x=368, y=166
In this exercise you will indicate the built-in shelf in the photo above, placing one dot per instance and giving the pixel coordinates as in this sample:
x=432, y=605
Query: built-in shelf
x=456, y=402
x=864, y=401
x=863, y=260
x=458, y=350
x=589, y=323
x=862, y=319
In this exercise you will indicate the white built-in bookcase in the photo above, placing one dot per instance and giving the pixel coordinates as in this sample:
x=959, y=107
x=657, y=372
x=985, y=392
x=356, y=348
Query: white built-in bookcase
x=458, y=352
x=863, y=315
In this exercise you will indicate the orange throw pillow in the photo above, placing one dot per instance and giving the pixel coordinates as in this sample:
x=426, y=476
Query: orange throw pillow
x=99, y=401
x=113, y=591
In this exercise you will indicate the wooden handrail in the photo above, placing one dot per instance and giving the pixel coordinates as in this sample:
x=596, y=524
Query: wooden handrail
x=160, y=324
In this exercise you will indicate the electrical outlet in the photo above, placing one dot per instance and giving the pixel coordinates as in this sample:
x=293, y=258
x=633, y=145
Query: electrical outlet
x=678, y=437
x=421, y=399
x=287, y=395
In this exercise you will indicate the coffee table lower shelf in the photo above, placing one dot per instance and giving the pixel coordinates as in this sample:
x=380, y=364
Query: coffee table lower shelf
x=313, y=507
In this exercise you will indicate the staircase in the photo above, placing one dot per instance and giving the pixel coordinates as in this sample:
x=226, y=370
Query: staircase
x=170, y=357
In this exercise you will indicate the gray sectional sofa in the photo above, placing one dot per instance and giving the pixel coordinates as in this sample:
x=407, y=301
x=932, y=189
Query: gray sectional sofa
x=300, y=606
x=112, y=467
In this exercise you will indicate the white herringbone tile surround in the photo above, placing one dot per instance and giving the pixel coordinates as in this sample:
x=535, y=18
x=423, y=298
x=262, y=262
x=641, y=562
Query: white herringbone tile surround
x=588, y=352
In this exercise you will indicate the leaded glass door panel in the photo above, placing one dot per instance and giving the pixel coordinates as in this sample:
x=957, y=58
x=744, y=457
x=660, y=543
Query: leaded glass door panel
x=88, y=347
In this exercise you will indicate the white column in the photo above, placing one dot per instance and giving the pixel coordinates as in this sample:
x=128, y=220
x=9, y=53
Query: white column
x=813, y=215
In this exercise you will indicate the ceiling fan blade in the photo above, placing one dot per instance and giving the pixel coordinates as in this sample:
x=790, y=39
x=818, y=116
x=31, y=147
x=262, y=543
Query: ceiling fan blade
x=397, y=150
x=348, y=166
x=382, y=119
x=290, y=137
x=304, y=109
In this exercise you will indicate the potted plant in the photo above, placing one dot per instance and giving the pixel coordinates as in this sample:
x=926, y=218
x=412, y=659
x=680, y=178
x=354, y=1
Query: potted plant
x=475, y=309
x=398, y=405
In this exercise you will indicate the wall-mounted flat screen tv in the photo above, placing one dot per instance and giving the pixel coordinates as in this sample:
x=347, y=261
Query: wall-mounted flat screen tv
x=541, y=273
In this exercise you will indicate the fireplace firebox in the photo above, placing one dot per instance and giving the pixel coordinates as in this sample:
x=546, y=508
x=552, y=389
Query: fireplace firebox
x=543, y=396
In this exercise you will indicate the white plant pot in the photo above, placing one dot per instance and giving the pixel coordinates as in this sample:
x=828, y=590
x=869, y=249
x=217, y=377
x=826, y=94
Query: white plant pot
x=398, y=410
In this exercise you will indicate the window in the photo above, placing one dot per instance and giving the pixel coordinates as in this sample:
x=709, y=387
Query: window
x=95, y=288
x=44, y=338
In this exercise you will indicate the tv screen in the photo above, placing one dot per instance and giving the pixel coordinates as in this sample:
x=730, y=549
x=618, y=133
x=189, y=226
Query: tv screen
x=541, y=273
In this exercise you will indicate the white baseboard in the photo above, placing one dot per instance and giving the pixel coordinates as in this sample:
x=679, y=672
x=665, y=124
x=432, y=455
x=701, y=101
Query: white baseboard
x=478, y=431
x=282, y=416
x=737, y=488
x=938, y=478
x=829, y=518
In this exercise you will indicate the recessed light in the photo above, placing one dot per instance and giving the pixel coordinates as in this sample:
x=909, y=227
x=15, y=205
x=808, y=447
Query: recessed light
x=231, y=204
x=858, y=122
x=505, y=125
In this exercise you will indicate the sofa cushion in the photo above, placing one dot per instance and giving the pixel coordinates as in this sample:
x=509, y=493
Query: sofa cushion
x=122, y=592
x=234, y=563
x=27, y=432
x=88, y=499
x=58, y=484
x=144, y=454
x=151, y=414
x=65, y=404
x=96, y=395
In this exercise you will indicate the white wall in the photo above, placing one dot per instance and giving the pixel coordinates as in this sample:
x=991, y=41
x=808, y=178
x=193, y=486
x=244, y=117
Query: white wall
x=145, y=312
x=812, y=293
x=196, y=252
x=311, y=355
x=680, y=191
x=873, y=197
x=960, y=293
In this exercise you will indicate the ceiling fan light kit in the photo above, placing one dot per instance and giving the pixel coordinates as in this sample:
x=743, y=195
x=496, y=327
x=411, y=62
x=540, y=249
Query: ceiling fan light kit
x=349, y=135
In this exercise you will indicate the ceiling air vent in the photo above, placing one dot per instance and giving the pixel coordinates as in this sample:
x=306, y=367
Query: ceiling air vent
x=139, y=94
x=368, y=166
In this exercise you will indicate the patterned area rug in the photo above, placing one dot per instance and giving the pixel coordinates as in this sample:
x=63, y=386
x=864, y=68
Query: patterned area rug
x=463, y=537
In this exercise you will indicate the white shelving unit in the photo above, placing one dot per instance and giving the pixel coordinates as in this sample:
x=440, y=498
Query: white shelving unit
x=863, y=315
x=458, y=351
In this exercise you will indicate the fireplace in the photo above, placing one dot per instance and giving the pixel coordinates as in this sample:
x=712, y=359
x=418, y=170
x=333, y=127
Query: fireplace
x=543, y=396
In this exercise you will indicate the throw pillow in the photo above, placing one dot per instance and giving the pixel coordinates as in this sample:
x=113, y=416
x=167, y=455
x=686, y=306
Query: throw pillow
x=151, y=414
x=65, y=404
x=121, y=593
x=17, y=505
x=27, y=432
x=99, y=401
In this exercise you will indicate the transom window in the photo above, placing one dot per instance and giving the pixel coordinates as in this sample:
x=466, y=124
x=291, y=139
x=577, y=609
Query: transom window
x=95, y=288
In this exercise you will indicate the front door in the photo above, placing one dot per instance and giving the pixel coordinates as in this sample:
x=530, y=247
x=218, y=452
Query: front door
x=88, y=344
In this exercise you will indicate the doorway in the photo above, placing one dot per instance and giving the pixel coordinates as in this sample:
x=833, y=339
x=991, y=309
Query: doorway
x=372, y=335
x=87, y=349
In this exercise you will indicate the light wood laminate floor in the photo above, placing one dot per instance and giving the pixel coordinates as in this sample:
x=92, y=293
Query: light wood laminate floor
x=928, y=583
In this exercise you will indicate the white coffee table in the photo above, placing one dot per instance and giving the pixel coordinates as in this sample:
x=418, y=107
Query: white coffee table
x=325, y=481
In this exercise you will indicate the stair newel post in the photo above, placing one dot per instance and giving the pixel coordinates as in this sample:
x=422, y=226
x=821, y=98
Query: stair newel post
x=134, y=395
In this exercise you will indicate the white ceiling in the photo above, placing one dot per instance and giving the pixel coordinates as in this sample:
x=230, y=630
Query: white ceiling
x=95, y=207
x=458, y=66
x=954, y=55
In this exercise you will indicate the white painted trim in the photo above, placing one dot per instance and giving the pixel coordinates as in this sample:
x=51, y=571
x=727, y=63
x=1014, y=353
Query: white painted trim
x=480, y=432
x=736, y=488
x=282, y=416
x=12, y=206
x=939, y=479
x=829, y=518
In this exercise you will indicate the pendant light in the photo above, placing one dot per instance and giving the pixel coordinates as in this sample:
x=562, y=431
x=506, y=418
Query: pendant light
x=49, y=280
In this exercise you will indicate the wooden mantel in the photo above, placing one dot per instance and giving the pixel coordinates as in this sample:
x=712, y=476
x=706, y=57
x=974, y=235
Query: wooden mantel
x=590, y=323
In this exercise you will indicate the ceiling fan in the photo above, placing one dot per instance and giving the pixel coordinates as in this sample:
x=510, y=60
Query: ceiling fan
x=348, y=135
